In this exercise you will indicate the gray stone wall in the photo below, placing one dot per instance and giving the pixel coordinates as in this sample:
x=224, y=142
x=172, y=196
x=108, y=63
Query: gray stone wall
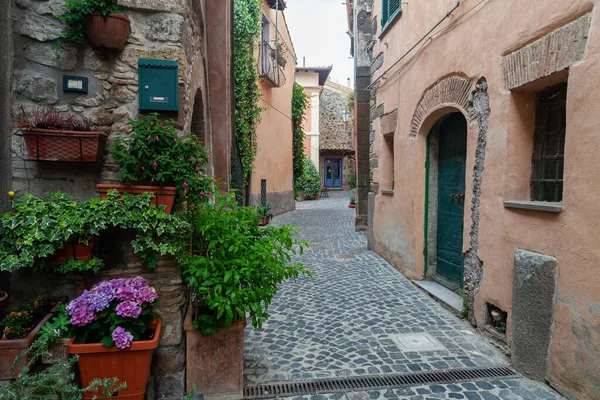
x=169, y=30
x=335, y=133
x=5, y=73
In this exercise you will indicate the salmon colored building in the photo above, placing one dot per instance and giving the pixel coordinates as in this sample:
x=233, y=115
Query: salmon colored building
x=272, y=179
x=313, y=80
x=484, y=167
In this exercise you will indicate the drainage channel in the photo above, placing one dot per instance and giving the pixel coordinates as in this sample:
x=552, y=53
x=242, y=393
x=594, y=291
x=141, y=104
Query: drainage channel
x=375, y=382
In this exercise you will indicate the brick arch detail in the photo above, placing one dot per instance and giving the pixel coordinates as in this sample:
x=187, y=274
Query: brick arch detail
x=453, y=90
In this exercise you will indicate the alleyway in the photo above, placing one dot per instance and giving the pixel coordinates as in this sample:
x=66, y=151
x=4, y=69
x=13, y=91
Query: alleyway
x=347, y=322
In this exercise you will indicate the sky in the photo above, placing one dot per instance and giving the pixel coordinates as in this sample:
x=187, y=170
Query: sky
x=318, y=29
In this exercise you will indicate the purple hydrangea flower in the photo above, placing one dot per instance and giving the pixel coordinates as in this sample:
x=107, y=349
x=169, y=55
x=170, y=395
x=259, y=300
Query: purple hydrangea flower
x=146, y=295
x=126, y=293
x=122, y=338
x=128, y=309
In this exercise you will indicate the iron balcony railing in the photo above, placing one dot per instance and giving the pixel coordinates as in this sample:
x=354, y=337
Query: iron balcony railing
x=269, y=66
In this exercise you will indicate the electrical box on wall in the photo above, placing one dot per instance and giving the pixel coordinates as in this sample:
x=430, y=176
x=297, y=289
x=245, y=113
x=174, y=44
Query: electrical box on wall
x=159, y=85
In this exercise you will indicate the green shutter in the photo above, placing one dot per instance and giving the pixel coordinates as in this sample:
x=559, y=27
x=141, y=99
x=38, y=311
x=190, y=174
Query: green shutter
x=389, y=10
x=384, y=11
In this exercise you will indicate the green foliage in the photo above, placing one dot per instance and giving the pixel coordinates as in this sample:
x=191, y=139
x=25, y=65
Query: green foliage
x=264, y=211
x=352, y=199
x=55, y=382
x=238, y=265
x=281, y=53
x=37, y=227
x=19, y=323
x=247, y=29
x=77, y=11
x=309, y=183
x=156, y=153
x=352, y=180
x=299, y=106
x=56, y=328
x=72, y=265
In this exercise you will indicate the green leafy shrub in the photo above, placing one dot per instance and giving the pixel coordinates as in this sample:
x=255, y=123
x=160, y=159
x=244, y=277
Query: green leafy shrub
x=76, y=13
x=37, y=227
x=156, y=153
x=264, y=211
x=352, y=180
x=237, y=266
x=309, y=183
x=19, y=323
x=299, y=107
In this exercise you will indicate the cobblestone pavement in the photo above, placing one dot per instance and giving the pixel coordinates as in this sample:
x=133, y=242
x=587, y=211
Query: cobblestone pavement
x=347, y=320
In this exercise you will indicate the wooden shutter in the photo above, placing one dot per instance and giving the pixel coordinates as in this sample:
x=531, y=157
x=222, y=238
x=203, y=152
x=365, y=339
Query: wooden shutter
x=394, y=7
x=384, y=11
x=390, y=9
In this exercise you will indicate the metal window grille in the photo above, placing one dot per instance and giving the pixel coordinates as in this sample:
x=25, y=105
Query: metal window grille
x=263, y=192
x=549, y=145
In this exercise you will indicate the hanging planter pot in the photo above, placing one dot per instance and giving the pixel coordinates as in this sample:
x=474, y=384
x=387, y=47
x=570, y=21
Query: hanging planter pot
x=131, y=366
x=64, y=145
x=108, y=32
x=163, y=196
x=76, y=250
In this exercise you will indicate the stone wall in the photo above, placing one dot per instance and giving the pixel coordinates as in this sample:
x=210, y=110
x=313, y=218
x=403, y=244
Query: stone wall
x=161, y=30
x=335, y=133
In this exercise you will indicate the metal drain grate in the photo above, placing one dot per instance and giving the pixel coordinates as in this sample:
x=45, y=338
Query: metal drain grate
x=374, y=382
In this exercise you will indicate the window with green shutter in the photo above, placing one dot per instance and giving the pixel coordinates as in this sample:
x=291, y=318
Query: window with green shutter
x=389, y=11
x=549, y=144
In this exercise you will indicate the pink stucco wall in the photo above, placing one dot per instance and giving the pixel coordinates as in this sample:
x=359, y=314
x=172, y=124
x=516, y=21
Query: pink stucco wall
x=473, y=46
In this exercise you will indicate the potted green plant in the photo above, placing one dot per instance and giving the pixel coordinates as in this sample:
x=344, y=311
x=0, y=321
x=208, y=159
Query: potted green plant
x=235, y=273
x=18, y=329
x=309, y=183
x=352, y=202
x=100, y=21
x=264, y=214
x=54, y=136
x=157, y=154
x=115, y=332
x=37, y=228
x=281, y=52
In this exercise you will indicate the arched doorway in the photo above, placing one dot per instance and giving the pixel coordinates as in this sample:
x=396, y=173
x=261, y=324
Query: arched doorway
x=447, y=152
x=198, y=123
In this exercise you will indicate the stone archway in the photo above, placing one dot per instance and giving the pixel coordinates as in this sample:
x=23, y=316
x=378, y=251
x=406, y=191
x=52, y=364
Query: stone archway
x=452, y=91
x=198, y=127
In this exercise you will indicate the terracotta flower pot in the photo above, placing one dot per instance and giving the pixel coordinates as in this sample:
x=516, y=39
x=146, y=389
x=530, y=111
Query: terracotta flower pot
x=215, y=364
x=263, y=221
x=3, y=301
x=76, y=250
x=131, y=366
x=163, y=196
x=11, y=349
x=64, y=146
x=351, y=205
x=107, y=32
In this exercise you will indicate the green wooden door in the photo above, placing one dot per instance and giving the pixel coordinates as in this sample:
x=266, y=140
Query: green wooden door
x=451, y=205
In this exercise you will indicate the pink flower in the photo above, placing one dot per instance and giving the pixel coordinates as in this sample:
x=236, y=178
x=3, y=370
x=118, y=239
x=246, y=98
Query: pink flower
x=185, y=184
x=155, y=164
x=208, y=194
x=132, y=140
x=157, y=138
x=192, y=159
x=201, y=194
x=208, y=156
x=148, y=137
x=175, y=140
x=197, y=169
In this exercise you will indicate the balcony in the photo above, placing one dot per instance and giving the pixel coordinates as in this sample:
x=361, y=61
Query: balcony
x=269, y=66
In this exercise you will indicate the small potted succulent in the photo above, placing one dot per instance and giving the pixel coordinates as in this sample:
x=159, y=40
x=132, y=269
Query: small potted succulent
x=235, y=272
x=54, y=136
x=163, y=161
x=352, y=202
x=114, y=331
x=264, y=214
x=18, y=329
x=100, y=21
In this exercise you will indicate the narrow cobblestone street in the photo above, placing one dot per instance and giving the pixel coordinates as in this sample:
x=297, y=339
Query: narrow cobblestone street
x=353, y=317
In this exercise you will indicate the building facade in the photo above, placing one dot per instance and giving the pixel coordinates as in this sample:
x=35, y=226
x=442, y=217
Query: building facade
x=483, y=168
x=195, y=34
x=312, y=79
x=272, y=180
x=336, y=145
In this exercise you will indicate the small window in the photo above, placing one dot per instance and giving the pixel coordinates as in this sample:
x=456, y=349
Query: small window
x=389, y=11
x=387, y=181
x=549, y=145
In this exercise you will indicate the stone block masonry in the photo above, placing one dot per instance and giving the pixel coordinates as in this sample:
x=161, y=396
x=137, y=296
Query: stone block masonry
x=552, y=53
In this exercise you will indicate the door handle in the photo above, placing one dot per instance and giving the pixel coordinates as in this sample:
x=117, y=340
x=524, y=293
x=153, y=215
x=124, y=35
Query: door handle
x=452, y=196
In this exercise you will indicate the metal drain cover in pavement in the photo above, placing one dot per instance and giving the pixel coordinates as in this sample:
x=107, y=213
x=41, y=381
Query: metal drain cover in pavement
x=375, y=382
x=417, y=342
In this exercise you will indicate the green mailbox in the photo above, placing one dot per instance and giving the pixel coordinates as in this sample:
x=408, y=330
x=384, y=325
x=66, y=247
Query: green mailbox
x=158, y=80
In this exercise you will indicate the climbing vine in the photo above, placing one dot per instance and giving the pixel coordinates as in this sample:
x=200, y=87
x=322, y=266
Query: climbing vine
x=247, y=31
x=299, y=107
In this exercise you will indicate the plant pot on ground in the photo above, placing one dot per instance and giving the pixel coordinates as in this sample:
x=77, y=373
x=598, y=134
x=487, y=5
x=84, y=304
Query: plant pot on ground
x=215, y=363
x=264, y=214
x=115, y=332
x=162, y=196
x=236, y=271
x=18, y=330
x=101, y=22
x=54, y=136
x=157, y=154
x=352, y=203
